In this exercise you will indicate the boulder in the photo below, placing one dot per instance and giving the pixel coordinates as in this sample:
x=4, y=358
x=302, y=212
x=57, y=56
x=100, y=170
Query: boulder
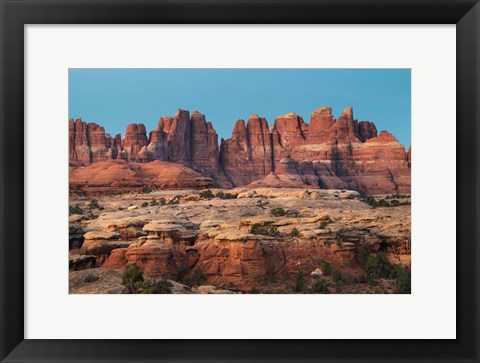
x=80, y=262
x=101, y=247
x=317, y=272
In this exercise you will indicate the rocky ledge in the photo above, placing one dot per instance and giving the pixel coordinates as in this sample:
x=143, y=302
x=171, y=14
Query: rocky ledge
x=242, y=240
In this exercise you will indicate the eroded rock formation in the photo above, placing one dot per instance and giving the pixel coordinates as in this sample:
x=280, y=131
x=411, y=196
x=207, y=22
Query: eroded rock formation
x=247, y=156
x=119, y=175
x=261, y=239
x=326, y=153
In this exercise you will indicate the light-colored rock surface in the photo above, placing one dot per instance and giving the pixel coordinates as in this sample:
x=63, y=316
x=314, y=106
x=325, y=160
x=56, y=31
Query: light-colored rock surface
x=209, y=289
x=215, y=236
x=98, y=235
x=109, y=282
x=98, y=247
x=317, y=272
x=75, y=218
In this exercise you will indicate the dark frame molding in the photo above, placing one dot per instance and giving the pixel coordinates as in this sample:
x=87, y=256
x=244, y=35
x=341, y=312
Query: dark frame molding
x=16, y=13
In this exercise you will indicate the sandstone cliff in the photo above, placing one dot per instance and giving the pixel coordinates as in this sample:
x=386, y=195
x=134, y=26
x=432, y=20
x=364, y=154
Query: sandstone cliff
x=247, y=156
x=327, y=153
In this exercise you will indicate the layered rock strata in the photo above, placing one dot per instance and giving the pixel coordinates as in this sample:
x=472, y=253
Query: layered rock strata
x=113, y=176
x=261, y=238
x=328, y=153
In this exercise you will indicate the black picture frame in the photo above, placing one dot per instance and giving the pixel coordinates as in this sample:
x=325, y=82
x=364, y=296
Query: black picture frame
x=15, y=14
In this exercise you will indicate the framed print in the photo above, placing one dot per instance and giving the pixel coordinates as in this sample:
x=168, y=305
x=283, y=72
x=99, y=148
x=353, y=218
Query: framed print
x=239, y=181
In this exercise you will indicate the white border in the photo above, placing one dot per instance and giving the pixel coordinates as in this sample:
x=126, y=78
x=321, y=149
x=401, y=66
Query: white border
x=428, y=313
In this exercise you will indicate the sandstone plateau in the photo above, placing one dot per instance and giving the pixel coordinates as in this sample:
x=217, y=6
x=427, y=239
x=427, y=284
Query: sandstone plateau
x=253, y=239
x=184, y=152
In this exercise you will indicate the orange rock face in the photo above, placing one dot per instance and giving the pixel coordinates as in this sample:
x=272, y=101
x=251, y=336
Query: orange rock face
x=115, y=175
x=134, y=143
x=331, y=154
x=327, y=153
x=247, y=156
x=184, y=139
x=288, y=174
x=230, y=263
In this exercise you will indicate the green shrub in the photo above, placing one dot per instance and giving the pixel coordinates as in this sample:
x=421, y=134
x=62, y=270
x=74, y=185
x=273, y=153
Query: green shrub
x=148, y=286
x=273, y=232
x=339, y=286
x=400, y=196
x=145, y=287
x=337, y=276
x=371, y=281
x=183, y=270
x=402, y=279
x=363, y=253
x=261, y=204
x=90, y=278
x=361, y=279
x=163, y=286
x=145, y=190
x=134, y=281
x=293, y=213
x=265, y=231
x=132, y=276
x=75, y=210
x=278, y=212
x=324, y=224
x=325, y=267
x=271, y=275
x=320, y=286
x=294, y=232
x=348, y=278
x=371, y=201
x=153, y=202
x=163, y=201
x=206, y=194
x=222, y=195
x=258, y=229
x=377, y=266
x=384, y=202
x=300, y=284
x=197, y=278
x=174, y=200
x=94, y=204
x=144, y=204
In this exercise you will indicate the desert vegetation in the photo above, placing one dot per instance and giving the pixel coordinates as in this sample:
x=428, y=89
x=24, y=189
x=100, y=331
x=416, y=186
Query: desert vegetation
x=263, y=240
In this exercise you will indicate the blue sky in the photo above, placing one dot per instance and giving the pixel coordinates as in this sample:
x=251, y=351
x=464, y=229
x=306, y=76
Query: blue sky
x=114, y=98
